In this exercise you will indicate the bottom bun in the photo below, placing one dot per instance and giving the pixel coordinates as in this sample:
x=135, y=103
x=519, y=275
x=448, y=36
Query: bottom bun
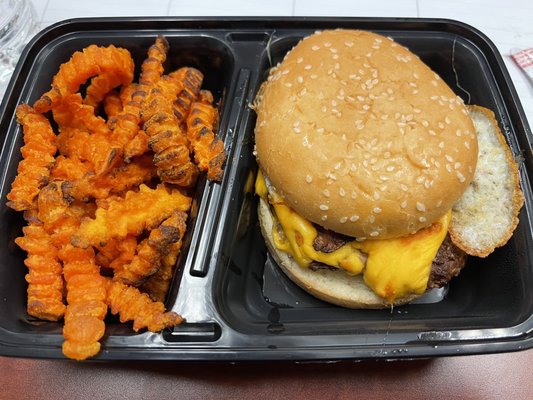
x=333, y=286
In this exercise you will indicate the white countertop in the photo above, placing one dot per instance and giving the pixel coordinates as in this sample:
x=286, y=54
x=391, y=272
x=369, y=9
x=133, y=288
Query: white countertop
x=509, y=24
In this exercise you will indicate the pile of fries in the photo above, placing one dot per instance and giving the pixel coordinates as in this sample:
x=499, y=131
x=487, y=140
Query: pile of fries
x=105, y=189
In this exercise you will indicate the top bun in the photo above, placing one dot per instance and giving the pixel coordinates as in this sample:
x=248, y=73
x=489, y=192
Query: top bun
x=360, y=136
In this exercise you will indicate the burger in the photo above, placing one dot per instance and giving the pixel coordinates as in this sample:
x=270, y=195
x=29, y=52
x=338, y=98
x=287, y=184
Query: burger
x=364, y=156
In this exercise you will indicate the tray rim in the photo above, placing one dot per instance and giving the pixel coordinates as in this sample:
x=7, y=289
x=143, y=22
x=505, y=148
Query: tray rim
x=187, y=23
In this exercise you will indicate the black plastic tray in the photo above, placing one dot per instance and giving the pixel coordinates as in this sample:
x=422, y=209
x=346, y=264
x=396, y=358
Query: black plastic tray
x=237, y=304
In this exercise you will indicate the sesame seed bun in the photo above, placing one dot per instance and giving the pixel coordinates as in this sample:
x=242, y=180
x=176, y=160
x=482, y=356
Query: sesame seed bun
x=360, y=136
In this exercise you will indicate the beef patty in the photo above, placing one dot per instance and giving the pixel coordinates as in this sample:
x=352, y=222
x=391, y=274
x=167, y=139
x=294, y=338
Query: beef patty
x=448, y=262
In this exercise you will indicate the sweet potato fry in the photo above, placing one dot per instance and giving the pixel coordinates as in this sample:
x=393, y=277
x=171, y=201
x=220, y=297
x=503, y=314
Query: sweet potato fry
x=168, y=141
x=86, y=309
x=117, y=252
x=152, y=67
x=116, y=181
x=208, y=149
x=157, y=285
x=189, y=81
x=151, y=251
x=44, y=277
x=88, y=136
x=112, y=104
x=38, y=157
x=132, y=305
x=92, y=61
x=132, y=214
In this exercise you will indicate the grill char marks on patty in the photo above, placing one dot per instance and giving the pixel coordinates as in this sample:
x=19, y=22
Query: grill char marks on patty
x=447, y=263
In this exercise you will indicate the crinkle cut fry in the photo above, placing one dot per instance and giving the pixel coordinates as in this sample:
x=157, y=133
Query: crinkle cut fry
x=116, y=181
x=112, y=104
x=88, y=136
x=152, y=67
x=157, y=285
x=38, y=157
x=45, y=274
x=152, y=250
x=132, y=305
x=126, y=129
x=168, y=141
x=85, y=310
x=86, y=307
x=132, y=214
x=190, y=82
x=117, y=252
x=208, y=149
x=91, y=61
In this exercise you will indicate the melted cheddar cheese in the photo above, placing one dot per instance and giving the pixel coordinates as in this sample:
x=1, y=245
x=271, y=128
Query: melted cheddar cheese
x=394, y=268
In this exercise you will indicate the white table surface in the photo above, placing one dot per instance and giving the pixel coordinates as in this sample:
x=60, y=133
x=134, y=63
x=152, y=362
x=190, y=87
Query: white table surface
x=509, y=24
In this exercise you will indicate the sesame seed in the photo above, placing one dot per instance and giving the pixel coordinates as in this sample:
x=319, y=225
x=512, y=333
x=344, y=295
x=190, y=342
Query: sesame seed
x=315, y=48
x=422, y=219
x=343, y=220
x=327, y=44
x=441, y=125
x=314, y=76
x=354, y=218
x=324, y=109
x=308, y=67
x=325, y=192
x=457, y=165
x=374, y=233
x=300, y=79
x=296, y=129
x=348, y=44
x=376, y=196
x=333, y=50
x=425, y=123
x=320, y=130
x=448, y=158
x=458, y=133
x=377, y=210
x=447, y=120
x=324, y=217
x=467, y=145
x=414, y=91
x=354, y=194
x=342, y=192
x=404, y=204
x=371, y=219
x=309, y=179
x=441, y=145
x=434, y=83
x=299, y=60
x=324, y=207
x=420, y=206
x=448, y=168
x=432, y=132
